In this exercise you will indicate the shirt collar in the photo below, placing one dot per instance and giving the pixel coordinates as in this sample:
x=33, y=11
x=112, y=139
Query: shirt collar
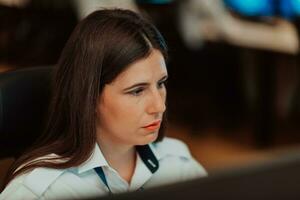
x=155, y=152
x=148, y=157
x=96, y=160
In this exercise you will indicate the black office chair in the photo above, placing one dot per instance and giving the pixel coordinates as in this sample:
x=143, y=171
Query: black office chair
x=24, y=99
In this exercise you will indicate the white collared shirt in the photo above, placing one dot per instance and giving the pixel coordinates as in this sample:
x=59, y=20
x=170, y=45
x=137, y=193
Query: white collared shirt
x=175, y=165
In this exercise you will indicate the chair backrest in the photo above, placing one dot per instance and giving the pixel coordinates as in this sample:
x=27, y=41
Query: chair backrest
x=24, y=100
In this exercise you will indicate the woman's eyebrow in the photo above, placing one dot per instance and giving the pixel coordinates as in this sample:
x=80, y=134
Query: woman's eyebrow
x=136, y=85
x=145, y=83
x=165, y=77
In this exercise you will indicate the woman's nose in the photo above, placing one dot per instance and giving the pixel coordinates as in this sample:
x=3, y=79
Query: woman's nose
x=157, y=102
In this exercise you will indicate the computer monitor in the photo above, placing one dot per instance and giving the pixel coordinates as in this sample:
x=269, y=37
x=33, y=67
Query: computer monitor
x=263, y=8
x=275, y=179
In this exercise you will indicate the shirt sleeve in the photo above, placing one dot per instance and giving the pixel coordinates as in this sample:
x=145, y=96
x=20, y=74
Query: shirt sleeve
x=191, y=169
x=16, y=190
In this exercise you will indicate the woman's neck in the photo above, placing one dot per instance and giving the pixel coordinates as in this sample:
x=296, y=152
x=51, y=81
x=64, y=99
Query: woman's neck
x=120, y=157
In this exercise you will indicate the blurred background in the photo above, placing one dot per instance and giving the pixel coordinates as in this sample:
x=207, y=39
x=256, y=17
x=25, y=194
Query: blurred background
x=233, y=92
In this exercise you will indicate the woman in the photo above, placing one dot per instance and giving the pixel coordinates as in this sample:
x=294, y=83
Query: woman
x=105, y=127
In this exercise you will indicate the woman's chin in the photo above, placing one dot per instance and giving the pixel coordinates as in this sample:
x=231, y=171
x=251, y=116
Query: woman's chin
x=149, y=138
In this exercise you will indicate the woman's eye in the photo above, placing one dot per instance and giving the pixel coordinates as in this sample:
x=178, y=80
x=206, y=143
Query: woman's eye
x=136, y=92
x=161, y=84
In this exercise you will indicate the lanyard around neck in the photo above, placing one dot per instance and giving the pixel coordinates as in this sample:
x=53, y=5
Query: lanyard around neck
x=102, y=176
x=147, y=157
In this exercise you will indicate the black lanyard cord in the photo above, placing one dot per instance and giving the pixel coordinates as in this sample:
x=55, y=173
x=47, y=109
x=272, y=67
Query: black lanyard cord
x=147, y=157
x=102, y=176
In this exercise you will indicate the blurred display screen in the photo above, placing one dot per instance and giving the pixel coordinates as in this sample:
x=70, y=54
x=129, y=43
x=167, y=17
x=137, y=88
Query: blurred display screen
x=154, y=1
x=263, y=8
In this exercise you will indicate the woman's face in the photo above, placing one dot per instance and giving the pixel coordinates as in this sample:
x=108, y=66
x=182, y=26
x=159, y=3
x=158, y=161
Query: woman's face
x=130, y=109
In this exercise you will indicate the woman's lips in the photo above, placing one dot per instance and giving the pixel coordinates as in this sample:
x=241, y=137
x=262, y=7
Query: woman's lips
x=153, y=126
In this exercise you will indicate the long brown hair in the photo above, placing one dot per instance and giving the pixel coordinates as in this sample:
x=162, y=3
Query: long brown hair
x=100, y=47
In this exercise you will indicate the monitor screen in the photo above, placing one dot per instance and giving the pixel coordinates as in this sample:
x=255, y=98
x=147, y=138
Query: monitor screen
x=288, y=9
x=276, y=179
